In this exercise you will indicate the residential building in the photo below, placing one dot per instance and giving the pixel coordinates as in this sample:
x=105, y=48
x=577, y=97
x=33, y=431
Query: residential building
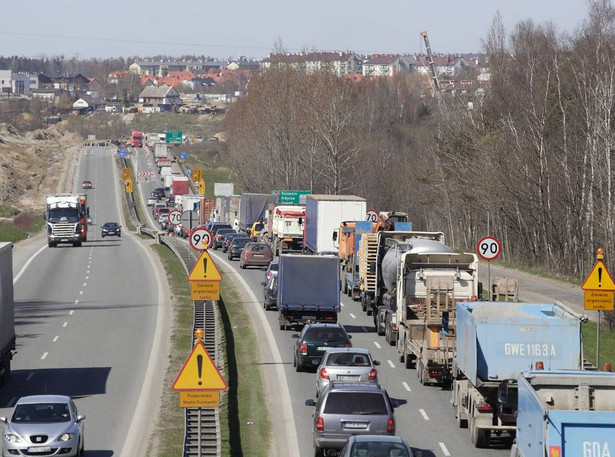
x=340, y=63
x=388, y=65
x=164, y=97
x=163, y=67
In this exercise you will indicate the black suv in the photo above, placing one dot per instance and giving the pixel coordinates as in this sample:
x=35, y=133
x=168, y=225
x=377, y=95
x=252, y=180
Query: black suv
x=345, y=409
x=314, y=340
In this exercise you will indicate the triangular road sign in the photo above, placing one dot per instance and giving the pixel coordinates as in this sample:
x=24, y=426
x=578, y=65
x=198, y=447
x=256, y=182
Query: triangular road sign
x=205, y=269
x=199, y=372
x=599, y=278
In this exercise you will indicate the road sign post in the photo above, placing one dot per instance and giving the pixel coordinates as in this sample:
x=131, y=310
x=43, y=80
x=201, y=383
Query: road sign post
x=489, y=248
x=599, y=288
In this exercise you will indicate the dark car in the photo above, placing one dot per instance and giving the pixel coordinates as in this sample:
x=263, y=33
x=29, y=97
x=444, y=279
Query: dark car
x=272, y=269
x=390, y=446
x=314, y=340
x=255, y=254
x=219, y=226
x=111, y=229
x=228, y=238
x=236, y=246
x=347, y=409
x=270, y=288
x=219, y=237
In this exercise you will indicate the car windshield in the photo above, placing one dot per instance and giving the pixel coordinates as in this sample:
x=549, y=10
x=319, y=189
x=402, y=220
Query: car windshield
x=41, y=412
x=260, y=248
x=363, y=449
x=110, y=225
x=359, y=403
x=348, y=359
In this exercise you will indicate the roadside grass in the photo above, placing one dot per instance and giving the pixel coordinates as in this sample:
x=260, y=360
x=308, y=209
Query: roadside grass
x=21, y=227
x=607, y=344
x=246, y=426
x=8, y=211
x=541, y=273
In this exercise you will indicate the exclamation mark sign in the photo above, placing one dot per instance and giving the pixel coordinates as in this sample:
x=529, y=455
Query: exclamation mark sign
x=199, y=367
x=204, y=267
x=599, y=276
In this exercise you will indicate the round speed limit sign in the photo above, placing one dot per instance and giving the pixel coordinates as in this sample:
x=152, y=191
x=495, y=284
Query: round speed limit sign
x=489, y=248
x=371, y=216
x=201, y=238
x=175, y=217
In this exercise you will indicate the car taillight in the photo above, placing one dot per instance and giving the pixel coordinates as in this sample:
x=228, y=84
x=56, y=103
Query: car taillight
x=483, y=407
x=324, y=374
x=320, y=425
x=347, y=345
x=394, y=327
x=391, y=426
x=303, y=348
x=372, y=374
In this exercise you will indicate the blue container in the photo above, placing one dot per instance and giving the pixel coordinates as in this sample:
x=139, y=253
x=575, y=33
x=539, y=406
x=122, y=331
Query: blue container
x=497, y=341
x=548, y=422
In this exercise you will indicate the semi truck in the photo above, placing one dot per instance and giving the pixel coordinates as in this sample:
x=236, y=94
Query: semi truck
x=425, y=278
x=565, y=413
x=323, y=216
x=160, y=151
x=180, y=185
x=348, y=240
x=308, y=289
x=252, y=210
x=65, y=220
x=7, y=311
x=136, y=139
x=285, y=228
x=496, y=343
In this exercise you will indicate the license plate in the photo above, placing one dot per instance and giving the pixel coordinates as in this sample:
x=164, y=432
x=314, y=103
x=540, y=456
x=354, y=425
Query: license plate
x=356, y=425
x=258, y=255
x=309, y=317
x=321, y=348
x=348, y=378
x=39, y=449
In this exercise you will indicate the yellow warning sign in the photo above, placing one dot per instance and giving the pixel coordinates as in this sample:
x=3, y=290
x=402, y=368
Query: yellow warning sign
x=205, y=269
x=199, y=372
x=599, y=300
x=128, y=185
x=207, y=399
x=204, y=290
x=599, y=278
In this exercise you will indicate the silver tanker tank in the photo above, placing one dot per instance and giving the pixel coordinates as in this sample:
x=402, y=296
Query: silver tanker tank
x=396, y=248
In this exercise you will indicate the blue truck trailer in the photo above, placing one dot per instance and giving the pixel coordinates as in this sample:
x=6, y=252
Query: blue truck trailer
x=308, y=289
x=565, y=413
x=496, y=342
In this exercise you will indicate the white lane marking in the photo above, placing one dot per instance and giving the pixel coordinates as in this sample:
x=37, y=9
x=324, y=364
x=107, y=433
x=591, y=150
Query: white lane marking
x=424, y=414
x=377, y=345
x=65, y=324
x=80, y=292
x=76, y=301
x=87, y=277
x=406, y=386
x=85, y=284
x=44, y=355
x=29, y=376
x=352, y=315
x=27, y=264
x=444, y=450
x=55, y=339
x=70, y=313
x=391, y=364
x=342, y=304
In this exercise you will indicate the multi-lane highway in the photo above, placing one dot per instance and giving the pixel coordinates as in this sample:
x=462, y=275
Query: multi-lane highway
x=89, y=320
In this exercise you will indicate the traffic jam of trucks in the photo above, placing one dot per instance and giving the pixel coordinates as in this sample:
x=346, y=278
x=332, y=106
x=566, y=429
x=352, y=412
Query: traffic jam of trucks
x=515, y=370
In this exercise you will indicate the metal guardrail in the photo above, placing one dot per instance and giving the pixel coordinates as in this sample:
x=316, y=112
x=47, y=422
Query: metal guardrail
x=202, y=431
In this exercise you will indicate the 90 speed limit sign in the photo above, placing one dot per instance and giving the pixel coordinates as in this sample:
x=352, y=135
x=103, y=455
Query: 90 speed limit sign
x=489, y=248
x=201, y=238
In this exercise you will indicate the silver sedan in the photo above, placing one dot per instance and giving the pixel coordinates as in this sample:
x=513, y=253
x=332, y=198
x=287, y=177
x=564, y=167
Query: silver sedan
x=43, y=425
x=346, y=364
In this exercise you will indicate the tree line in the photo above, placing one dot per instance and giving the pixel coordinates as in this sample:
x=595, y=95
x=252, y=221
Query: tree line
x=530, y=162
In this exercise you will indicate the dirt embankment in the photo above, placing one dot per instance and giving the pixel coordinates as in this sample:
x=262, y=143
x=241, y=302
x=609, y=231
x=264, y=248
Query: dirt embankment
x=35, y=164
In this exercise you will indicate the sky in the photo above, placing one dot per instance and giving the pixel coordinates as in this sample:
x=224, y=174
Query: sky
x=127, y=28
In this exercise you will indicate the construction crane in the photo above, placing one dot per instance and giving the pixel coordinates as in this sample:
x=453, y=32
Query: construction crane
x=435, y=80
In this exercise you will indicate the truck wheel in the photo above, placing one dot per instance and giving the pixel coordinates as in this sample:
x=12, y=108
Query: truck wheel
x=407, y=358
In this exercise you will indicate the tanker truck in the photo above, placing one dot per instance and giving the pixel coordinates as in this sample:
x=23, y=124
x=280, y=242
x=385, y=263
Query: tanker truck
x=496, y=343
x=427, y=278
x=565, y=413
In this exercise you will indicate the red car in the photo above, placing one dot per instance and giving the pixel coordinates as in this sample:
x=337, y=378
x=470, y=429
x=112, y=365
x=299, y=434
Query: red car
x=255, y=254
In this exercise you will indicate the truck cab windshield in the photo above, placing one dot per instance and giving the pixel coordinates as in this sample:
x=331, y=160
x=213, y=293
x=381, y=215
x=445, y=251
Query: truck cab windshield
x=63, y=215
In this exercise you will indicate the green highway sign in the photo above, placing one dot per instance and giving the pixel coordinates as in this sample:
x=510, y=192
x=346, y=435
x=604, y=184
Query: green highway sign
x=174, y=137
x=293, y=197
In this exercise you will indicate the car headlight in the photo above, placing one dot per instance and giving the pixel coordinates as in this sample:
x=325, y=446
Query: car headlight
x=66, y=437
x=13, y=438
